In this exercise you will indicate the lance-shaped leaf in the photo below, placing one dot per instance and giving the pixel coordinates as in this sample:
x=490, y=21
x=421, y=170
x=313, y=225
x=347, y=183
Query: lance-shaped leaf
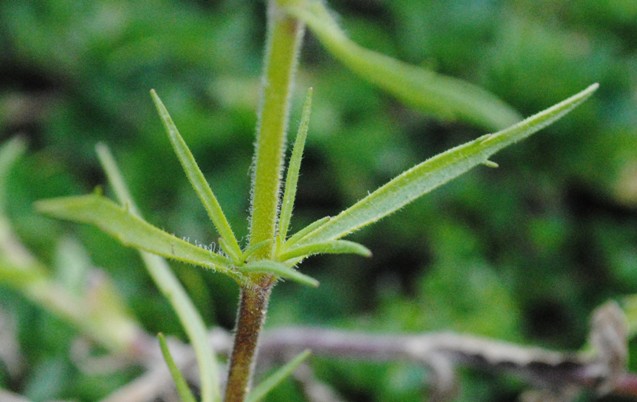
x=277, y=269
x=131, y=230
x=180, y=382
x=172, y=289
x=446, y=97
x=263, y=389
x=198, y=181
x=325, y=247
x=436, y=171
x=292, y=177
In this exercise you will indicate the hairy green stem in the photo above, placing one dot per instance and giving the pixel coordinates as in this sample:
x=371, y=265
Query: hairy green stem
x=284, y=39
x=282, y=48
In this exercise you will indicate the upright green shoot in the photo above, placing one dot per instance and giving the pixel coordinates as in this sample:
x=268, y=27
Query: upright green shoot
x=284, y=34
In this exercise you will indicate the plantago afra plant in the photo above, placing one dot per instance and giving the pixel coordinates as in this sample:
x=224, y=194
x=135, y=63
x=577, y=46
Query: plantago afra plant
x=273, y=254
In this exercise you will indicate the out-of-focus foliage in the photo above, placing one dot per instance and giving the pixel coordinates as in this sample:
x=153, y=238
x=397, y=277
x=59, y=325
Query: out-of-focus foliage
x=523, y=252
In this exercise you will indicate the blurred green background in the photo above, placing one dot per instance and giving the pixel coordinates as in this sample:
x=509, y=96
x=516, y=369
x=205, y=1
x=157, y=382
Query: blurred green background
x=522, y=253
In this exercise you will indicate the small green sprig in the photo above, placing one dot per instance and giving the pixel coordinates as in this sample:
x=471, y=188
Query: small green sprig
x=321, y=237
x=123, y=223
x=271, y=254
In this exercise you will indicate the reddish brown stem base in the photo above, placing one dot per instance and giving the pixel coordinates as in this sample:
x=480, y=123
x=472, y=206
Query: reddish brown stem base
x=252, y=310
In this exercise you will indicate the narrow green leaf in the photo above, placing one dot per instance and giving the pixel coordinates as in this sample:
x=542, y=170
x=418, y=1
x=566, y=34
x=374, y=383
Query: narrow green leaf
x=446, y=97
x=198, y=181
x=131, y=230
x=263, y=389
x=306, y=231
x=278, y=269
x=432, y=173
x=180, y=383
x=292, y=178
x=172, y=289
x=325, y=247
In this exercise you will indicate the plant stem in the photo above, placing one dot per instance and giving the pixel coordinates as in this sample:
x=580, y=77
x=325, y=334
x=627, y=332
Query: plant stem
x=282, y=48
x=252, y=310
x=284, y=39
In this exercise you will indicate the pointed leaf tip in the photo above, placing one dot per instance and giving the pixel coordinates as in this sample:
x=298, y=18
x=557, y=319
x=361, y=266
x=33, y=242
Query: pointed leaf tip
x=197, y=180
x=294, y=168
x=438, y=170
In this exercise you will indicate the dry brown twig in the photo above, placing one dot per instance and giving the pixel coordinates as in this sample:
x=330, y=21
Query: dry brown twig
x=558, y=375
